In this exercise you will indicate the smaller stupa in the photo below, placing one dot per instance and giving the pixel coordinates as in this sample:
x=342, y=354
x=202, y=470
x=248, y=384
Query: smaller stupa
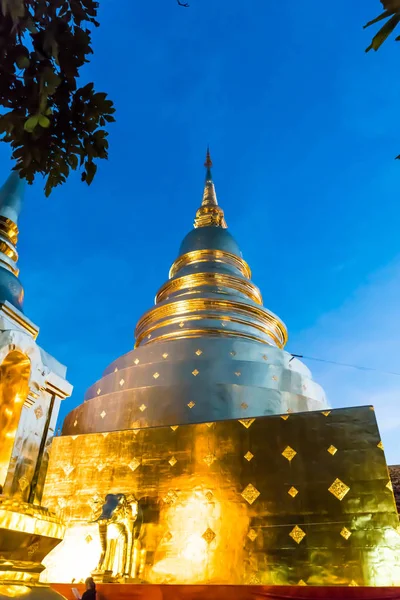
x=32, y=385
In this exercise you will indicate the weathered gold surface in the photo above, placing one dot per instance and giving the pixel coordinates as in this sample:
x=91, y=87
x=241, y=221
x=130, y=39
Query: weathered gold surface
x=205, y=513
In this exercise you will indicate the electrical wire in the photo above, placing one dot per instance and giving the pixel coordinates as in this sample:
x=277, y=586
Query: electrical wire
x=339, y=364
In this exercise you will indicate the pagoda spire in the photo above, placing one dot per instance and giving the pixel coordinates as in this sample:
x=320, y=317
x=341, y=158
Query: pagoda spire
x=209, y=214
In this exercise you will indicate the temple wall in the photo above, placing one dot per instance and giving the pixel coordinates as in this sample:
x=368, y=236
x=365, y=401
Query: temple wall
x=291, y=499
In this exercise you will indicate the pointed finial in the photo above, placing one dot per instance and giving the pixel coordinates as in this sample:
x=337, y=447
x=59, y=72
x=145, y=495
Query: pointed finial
x=209, y=214
x=208, y=164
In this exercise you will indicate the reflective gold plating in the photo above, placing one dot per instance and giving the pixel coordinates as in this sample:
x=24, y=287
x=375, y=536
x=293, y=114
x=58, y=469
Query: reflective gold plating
x=223, y=308
x=210, y=216
x=218, y=256
x=210, y=279
x=8, y=240
x=14, y=388
x=194, y=333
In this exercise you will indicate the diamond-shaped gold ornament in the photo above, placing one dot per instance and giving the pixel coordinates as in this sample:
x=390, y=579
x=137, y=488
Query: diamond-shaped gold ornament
x=237, y=373
x=380, y=445
x=250, y=493
x=293, y=492
x=297, y=534
x=338, y=489
x=265, y=357
x=274, y=378
x=332, y=450
x=98, y=391
x=165, y=355
x=191, y=404
x=172, y=461
x=156, y=375
x=199, y=352
x=244, y=405
x=168, y=536
x=170, y=497
x=289, y=453
x=100, y=467
x=195, y=372
x=116, y=369
x=233, y=353
x=389, y=486
x=122, y=381
x=136, y=361
x=88, y=539
x=208, y=535
x=246, y=422
x=133, y=465
x=209, y=459
x=174, y=427
x=181, y=324
x=75, y=423
x=252, y=535
x=248, y=456
x=345, y=533
x=142, y=407
x=209, y=496
x=103, y=414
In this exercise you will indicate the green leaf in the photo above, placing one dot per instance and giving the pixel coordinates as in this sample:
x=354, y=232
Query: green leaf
x=384, y=33
x=91, y=169
x=44, y=122
x=31, y=123
x=382, y=16
x=23, y=62
x=73, y=161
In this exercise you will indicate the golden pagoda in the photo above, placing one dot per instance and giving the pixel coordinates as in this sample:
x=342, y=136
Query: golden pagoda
x=208, y=455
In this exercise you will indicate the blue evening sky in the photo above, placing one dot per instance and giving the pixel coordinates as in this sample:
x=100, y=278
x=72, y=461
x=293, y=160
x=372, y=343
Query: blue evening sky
x=303, y=128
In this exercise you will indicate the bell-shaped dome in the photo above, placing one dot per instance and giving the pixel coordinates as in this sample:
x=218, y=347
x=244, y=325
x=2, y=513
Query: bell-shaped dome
x=212, y=238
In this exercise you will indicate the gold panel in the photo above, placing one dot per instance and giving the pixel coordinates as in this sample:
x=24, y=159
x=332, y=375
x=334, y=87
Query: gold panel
x=14, y=389
x=215, y=517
